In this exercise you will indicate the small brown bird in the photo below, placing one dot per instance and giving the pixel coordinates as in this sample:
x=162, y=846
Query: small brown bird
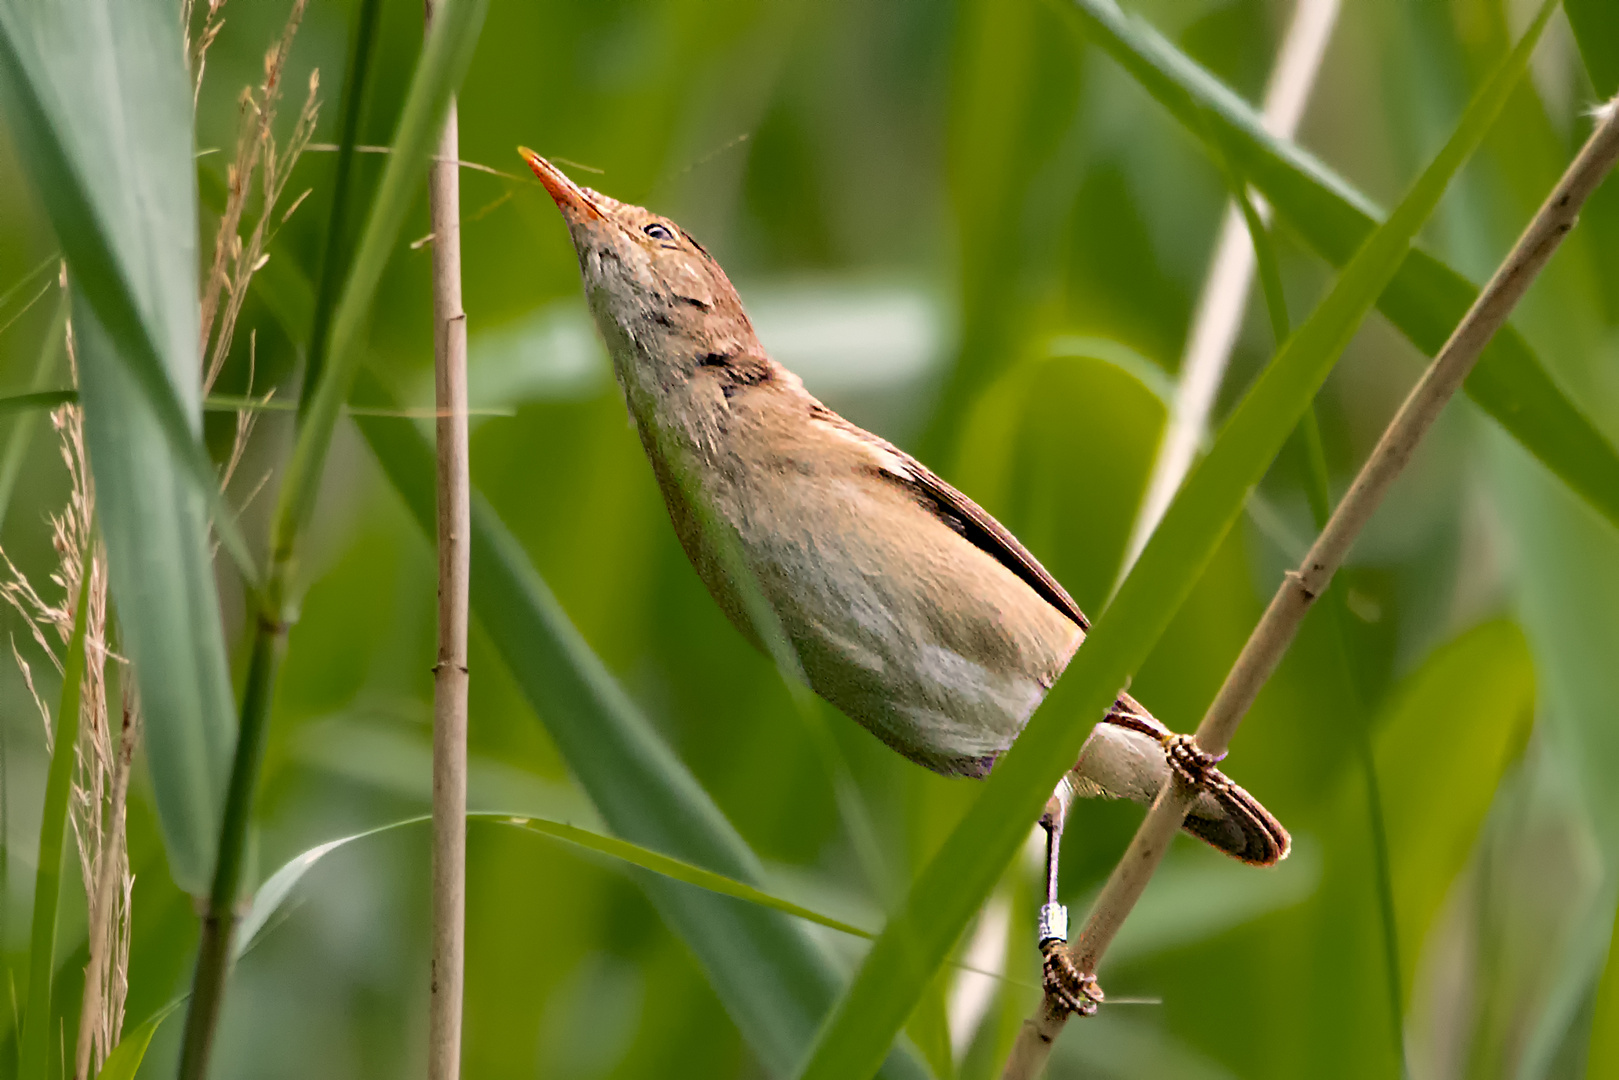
x=907, y=606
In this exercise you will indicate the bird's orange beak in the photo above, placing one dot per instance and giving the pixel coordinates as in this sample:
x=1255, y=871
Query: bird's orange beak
x=570, y=198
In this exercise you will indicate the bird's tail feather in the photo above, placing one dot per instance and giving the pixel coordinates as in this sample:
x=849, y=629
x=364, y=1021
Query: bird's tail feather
x=1127, y=756
x=1228, y=818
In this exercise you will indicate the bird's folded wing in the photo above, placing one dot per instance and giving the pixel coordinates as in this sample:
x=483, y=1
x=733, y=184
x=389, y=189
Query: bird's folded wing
x=967, y=518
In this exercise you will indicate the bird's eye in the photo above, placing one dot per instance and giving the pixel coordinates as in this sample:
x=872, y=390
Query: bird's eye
x=658, y=231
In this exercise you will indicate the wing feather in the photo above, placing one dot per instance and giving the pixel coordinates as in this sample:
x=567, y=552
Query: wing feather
x=967, y=518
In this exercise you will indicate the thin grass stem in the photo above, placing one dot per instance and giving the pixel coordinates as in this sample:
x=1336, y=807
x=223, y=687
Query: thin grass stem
x=219, y=919
x=36, y=1030
x=335, y=259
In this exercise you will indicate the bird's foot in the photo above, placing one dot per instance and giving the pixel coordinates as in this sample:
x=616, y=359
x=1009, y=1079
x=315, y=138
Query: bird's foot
x=1065, y=985
x=1190, y=762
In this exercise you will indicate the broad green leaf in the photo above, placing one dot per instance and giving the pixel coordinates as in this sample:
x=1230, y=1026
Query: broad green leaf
x=37, y=1027
x=97, y=95
x=1425, y=299
x=161, y=575
x=773, y=979
x=100, y=103
x=125, y=1060
x=953, y=885
x=1596, y=28
x=929, y=1027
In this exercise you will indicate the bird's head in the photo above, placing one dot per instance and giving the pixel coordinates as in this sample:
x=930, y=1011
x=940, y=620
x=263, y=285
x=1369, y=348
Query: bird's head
x=660, y=300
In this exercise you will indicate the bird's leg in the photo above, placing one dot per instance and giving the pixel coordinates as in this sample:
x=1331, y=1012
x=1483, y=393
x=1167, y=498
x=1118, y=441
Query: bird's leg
x=1063, y=982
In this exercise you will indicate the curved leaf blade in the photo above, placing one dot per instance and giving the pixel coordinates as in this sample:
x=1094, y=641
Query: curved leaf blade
x=36, y=1030
x=168, y=611
x=278, y=886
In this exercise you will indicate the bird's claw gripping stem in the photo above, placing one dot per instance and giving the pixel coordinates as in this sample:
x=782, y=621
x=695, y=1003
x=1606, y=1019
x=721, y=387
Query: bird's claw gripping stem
x=1064, y=984
x=1190, y=761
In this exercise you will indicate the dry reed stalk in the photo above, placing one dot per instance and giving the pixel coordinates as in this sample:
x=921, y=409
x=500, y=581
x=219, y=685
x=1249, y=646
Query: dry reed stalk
x=450, y=675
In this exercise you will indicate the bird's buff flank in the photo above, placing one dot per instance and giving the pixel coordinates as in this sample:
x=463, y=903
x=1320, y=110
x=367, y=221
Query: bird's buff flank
x=904, y=604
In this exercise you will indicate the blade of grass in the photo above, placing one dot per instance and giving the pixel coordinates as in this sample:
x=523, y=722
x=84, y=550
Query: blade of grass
x=774, y=980
x=271, y=897
x=335, y=259
x=98, y=98
x=36, y=1031
x=1423, y=300
x=959, y=877
x=273, y=893
x=214, y=950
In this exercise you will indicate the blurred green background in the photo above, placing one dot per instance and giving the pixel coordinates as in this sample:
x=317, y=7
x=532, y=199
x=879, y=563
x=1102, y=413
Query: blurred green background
x=952, y=220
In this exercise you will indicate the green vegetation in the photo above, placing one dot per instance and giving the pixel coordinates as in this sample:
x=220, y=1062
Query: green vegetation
x=980, y=229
